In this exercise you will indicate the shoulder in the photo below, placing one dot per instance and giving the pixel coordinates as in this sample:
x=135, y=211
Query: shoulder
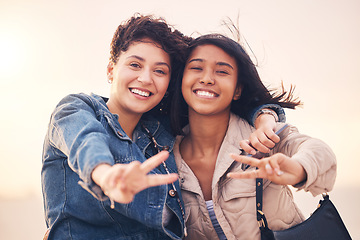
x=80, y=101
x=81, y=98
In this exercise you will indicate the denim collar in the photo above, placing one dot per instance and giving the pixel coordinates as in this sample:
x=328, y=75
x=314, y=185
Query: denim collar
x=148, y=120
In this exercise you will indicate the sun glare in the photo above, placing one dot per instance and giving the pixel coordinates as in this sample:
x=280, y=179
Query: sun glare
x=10, y=54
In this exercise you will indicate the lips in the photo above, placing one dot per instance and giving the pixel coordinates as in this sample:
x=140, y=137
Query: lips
x=139, y=92
x=206, y=93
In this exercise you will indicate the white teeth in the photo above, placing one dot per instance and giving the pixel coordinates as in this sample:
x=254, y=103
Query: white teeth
x=205, y=94
x=141, y=93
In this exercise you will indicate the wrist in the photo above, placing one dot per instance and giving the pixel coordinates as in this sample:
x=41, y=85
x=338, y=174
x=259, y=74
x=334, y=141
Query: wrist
x=98, y=173
x=302, y=177
x=267, y=111
x=265, y=120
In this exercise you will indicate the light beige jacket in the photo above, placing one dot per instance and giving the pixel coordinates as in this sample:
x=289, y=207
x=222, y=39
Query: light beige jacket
x=234, y=199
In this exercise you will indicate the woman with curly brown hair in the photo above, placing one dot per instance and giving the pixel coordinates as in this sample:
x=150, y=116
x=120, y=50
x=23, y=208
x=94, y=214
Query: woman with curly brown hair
x=95, y=174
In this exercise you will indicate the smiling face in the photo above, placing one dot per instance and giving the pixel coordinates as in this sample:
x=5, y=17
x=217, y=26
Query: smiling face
x=140, y=78
x=209, y=82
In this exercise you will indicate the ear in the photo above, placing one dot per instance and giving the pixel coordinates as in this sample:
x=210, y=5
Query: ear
x=109, y=71
x=237, y=93
x=110, y=68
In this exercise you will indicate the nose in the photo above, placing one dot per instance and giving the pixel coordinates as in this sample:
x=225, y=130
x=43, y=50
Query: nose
x=208, y=78
x=145, y=77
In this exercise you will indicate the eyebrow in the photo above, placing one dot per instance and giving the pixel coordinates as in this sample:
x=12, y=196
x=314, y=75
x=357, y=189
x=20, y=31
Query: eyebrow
x=217, y=63
x=196, y=60
x=143, y=60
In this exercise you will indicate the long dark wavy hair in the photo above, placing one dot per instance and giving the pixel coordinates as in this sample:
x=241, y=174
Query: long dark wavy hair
x=253, y=93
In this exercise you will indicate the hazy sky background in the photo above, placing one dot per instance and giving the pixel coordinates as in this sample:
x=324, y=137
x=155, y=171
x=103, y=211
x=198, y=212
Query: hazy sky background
x=49, y=49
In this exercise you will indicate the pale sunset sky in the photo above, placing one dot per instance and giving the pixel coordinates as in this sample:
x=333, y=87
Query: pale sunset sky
x=49, y=49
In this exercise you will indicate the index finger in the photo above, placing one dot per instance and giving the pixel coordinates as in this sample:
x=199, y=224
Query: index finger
x=247, y=160
x=246, y=146
x=161, y=179
x=154, y=161
x=271, y=135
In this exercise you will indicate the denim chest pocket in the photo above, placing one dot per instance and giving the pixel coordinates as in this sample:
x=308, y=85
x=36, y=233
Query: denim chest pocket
x=122, y=148
x=124, y=160
x=124, y=152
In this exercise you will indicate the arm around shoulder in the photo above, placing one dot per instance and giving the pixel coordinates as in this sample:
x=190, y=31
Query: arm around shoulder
x=277, y=111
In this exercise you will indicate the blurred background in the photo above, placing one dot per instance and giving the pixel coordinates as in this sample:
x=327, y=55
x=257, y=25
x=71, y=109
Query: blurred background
x=49, y=49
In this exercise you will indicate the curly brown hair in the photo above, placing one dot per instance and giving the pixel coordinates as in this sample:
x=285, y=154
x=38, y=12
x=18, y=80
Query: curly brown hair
x=139, y=27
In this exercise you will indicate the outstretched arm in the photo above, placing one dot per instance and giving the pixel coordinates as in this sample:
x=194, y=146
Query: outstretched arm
x=121, y=182
x=278, y=168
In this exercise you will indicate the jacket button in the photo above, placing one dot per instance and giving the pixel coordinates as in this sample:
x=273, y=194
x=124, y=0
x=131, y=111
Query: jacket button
x=165, y=148
x=172, y=193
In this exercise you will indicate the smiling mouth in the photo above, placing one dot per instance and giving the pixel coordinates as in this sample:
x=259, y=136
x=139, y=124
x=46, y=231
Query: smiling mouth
x=140, y=92
x=205, y=93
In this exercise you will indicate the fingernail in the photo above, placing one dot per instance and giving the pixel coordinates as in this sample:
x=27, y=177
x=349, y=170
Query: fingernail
x=112, y=204
x=279, y=172
x=268, y=168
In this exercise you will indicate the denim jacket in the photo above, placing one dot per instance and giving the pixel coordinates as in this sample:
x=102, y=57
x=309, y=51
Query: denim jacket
x=83, y=133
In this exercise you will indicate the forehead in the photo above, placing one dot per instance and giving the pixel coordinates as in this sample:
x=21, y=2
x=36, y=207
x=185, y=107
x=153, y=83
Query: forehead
x=148, y=50
x=211, y=53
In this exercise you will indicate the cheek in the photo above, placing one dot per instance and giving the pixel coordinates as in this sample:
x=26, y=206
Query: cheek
x=123, y=75
x=162, y=85
x=184, y=86
x=185, y=83
x=186, y=90
x=231, y=85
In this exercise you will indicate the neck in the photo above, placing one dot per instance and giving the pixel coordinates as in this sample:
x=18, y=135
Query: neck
x=126, y=120
x=206, y=133
x=200, y=148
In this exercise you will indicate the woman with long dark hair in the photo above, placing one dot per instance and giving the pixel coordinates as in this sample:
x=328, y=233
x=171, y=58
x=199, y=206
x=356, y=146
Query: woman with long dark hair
x=220, y=84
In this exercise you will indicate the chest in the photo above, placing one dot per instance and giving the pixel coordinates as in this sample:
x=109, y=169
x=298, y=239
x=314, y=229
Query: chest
x=203, y=169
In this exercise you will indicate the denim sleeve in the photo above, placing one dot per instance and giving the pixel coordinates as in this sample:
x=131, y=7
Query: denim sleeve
x=76, y=132
x=275, y=107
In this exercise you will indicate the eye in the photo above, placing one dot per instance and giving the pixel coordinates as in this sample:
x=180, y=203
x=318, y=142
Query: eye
x=134, y=65
x=223, y=72
x=159, y=71
x=195, y=68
